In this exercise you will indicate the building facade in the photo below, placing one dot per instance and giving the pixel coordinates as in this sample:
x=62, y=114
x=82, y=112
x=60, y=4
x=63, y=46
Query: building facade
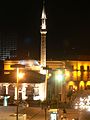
x=8, y=45
x=76, y=73
x=32, y=84
x=76, y=77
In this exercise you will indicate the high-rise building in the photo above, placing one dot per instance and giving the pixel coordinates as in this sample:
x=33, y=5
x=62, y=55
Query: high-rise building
x=8, y=45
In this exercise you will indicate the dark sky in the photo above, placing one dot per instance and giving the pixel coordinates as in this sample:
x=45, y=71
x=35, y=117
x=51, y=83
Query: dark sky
x=68, y=25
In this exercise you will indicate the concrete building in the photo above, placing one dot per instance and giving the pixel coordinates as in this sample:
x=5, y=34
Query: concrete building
x=75, y=72
x=8, y=45
x=38, y=87
x=29, y=85
x=76, y=76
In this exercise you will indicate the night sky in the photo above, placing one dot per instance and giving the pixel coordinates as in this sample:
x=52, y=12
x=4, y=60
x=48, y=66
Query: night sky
x=68, y=26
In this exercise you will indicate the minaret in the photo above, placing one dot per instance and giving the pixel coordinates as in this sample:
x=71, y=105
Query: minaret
x=43, y=32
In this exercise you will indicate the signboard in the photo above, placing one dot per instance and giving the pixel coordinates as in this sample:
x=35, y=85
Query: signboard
x=53, y=114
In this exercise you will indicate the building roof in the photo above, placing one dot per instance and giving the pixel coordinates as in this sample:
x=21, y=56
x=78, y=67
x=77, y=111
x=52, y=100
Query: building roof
x=30, y=76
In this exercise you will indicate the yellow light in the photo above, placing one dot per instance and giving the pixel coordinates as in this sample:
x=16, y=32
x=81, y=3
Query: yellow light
x=71, y=83
x=88, y=83
x=82, y=83
x=67, y=73
x=20, y=75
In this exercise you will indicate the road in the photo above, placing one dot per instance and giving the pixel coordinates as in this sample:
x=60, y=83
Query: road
x=34, y=113
x=39, y=114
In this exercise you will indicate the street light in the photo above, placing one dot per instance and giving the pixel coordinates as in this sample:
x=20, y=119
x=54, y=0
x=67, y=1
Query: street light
x=59, y=75
x=18, y=66
x=46, y=85
x=46, y=79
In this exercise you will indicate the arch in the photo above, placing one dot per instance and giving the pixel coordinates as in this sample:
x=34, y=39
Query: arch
x=29, y=89
x=88, y=85
x=81, y=85
x=11, y=90
x=71, y=85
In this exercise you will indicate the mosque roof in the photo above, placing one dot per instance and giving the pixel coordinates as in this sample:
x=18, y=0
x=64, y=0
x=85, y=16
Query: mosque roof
x=30, y=76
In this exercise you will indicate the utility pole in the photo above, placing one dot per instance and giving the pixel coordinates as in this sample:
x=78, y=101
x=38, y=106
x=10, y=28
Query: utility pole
x=17, y=66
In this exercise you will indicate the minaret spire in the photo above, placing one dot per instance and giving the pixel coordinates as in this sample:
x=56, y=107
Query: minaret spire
x=43, y=18
x=43, y=32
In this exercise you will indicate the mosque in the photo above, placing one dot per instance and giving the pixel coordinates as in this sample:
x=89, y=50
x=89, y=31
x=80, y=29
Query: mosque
x=37, y=81
x=33, y=82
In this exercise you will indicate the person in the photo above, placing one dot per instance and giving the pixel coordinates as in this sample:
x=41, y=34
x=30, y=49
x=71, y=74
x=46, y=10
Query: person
x=64, y=110
x=48, y=107
x=63, y=117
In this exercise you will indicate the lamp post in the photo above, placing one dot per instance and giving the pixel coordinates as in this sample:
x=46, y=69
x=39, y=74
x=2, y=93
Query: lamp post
x=59, y=76
x=46, y=87
x=46, y=79
x=17, y=66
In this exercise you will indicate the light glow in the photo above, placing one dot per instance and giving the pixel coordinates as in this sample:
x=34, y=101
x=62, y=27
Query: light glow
x=83, y=103
x=20, y=75
x=59, y=75
x=67, y=74
x=88, y=83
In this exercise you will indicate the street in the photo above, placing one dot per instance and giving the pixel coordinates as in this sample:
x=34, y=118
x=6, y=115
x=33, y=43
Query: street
x=39, y=114
x=34, y=113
